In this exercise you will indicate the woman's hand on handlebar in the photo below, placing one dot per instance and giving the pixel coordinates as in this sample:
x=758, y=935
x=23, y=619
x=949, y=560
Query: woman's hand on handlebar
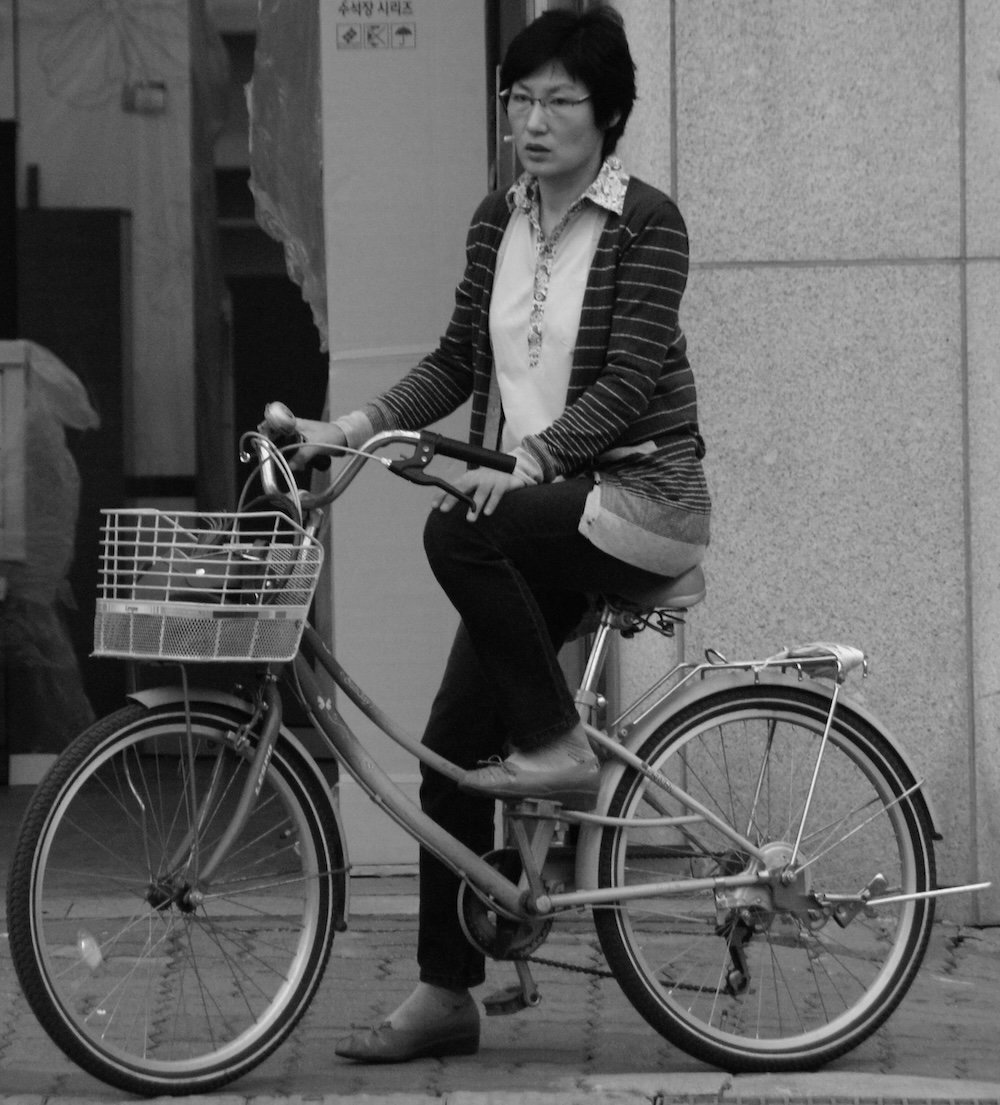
x=486, y=486
x=284, y=429
x=314, y=432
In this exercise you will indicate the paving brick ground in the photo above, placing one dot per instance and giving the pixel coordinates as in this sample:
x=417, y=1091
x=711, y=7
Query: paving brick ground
x=584, y=1043
x=584, y=1039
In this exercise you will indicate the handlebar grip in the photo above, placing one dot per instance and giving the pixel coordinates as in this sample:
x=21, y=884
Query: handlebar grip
x=280, y=419
x=473, y=454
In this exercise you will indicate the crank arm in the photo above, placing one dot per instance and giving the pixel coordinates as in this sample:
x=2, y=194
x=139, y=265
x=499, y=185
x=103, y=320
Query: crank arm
x=512, y=999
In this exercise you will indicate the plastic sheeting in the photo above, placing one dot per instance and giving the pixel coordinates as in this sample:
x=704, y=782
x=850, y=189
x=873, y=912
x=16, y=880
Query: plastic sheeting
x=35, y=647
x=286, y=147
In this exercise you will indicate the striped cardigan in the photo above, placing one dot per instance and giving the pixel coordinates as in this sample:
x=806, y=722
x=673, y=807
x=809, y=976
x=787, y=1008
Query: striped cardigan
x=631, y=384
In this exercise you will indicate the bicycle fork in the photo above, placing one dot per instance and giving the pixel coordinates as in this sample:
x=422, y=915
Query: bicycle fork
x=187, y=855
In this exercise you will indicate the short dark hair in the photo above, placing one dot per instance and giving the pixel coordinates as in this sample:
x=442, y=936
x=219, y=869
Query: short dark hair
x=593, y=49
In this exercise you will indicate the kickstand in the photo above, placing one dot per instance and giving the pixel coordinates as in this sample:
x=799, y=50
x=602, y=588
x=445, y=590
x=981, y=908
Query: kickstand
x=512, y=999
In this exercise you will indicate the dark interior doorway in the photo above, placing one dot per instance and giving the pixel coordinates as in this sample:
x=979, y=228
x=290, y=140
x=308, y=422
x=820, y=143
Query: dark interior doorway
x=276, y=351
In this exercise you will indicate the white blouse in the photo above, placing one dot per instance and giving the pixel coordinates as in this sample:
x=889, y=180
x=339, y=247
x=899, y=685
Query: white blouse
x=535, y=315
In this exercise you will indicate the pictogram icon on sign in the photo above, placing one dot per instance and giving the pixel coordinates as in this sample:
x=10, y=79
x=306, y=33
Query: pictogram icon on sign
x=404, y=36
x=377, y=36
x=349, y=36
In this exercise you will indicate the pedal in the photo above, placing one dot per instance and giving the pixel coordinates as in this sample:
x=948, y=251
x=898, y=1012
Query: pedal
x=512, y=999
x=501, y=1003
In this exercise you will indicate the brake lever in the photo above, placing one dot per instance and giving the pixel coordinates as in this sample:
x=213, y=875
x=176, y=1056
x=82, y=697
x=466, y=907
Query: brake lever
x=414, y=469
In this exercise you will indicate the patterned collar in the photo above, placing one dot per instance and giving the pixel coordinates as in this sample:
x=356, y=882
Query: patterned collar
x=607, y=189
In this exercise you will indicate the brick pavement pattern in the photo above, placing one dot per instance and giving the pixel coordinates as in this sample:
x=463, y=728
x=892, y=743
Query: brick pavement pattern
x=584, y=1043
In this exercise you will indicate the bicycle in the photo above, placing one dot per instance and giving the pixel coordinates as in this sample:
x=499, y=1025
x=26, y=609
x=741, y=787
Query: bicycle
x=759, y=861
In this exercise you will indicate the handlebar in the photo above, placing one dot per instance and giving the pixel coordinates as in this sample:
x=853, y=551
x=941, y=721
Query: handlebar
x=426, y=445
x=474, y=454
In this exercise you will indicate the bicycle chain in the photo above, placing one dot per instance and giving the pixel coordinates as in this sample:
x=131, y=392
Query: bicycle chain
x=596, y=971
x=543, y=962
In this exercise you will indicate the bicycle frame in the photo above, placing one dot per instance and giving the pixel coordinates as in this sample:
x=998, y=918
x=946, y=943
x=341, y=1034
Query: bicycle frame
x=380, y=788
x=677, y=689
x=519, y=901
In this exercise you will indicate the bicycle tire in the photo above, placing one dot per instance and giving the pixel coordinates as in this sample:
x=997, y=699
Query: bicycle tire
x=761, y=979
x=146, y=987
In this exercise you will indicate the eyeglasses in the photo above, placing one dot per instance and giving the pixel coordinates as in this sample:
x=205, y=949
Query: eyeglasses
x=518, y=105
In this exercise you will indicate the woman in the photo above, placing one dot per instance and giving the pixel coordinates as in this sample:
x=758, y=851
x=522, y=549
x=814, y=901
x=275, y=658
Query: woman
x=567, y=314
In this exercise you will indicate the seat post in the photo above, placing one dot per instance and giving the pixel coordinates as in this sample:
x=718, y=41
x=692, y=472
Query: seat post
x=587, y=696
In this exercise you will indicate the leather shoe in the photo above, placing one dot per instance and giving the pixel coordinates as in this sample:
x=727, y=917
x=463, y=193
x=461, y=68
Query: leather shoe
x=456, y=1035
x=571, y=781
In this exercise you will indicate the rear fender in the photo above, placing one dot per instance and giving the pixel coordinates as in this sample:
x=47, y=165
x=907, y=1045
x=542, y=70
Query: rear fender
x=589, y=841
x=168, y=695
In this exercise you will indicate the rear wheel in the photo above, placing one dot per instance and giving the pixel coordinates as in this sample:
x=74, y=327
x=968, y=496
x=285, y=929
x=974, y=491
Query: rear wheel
x=776, y=974
x=151, y=978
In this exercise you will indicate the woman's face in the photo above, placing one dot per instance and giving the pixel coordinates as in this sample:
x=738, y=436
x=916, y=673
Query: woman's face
x=561, y=145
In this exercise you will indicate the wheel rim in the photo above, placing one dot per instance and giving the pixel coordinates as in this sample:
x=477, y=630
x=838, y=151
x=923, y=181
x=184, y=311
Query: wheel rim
x=148, y=969
x=760, y=973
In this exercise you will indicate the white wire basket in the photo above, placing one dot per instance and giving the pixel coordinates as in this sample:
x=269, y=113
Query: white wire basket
x=192, y=587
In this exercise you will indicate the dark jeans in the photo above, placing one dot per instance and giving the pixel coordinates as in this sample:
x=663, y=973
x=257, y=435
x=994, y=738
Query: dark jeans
x=519, y=579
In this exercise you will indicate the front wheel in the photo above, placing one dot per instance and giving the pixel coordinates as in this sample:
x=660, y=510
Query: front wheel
x=148, y=976
x=774, y=973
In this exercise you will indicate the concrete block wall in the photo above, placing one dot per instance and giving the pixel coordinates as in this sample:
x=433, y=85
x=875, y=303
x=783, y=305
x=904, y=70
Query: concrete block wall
x=837, y=165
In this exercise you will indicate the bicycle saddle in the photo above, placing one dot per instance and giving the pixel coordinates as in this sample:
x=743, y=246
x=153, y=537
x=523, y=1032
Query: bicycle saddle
x=677, y=593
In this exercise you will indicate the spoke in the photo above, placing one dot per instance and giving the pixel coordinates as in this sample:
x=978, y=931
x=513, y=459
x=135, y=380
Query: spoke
x=229, y=889
x=778, y=773
x=762, y=775
x=238, y=974
x=187, y=984
x=121, y=990
x=882, y=811
x=221, y=939
x=99, y=843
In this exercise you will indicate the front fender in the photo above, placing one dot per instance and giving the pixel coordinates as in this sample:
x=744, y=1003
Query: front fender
x=588, y=845
x=168, y=695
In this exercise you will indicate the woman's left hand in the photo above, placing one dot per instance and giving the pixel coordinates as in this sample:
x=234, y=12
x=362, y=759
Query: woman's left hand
x=486, y=486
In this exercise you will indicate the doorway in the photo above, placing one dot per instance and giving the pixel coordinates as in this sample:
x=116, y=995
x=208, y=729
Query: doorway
x=275, y=350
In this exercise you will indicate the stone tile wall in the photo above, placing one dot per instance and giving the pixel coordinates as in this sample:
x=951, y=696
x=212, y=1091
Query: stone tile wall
x=837, y=165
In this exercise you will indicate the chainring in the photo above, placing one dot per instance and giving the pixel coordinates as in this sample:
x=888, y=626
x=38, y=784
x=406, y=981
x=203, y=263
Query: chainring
x=490, y=932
